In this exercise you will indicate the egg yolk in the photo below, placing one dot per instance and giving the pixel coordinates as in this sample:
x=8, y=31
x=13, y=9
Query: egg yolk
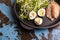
x=41, y=12
x=37, y=20
x=32, y=14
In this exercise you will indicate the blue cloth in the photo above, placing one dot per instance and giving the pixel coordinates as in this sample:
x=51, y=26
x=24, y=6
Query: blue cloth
x=8, y=30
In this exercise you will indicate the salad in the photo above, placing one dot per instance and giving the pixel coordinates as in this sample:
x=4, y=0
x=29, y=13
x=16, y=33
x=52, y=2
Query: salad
x=29, y=9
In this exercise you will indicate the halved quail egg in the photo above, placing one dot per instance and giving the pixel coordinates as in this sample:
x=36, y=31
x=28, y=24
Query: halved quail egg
x=32, y=15
x=41, y=12
x=38, y=21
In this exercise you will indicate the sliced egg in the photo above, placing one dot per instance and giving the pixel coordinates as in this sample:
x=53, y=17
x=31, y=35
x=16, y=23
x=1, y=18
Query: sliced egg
x=32, y=15
x=38, y=21
x=41, y=12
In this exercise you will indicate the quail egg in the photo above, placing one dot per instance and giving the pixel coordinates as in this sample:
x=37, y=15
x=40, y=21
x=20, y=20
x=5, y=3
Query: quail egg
x=41, y=12
x=38, y=21
x=32, y=15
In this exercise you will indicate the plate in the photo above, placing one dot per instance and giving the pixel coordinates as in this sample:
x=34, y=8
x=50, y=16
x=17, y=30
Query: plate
x=46, y=22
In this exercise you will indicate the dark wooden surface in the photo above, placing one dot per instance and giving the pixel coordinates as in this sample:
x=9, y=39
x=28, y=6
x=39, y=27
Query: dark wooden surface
x=7, y=2
x=3, y=19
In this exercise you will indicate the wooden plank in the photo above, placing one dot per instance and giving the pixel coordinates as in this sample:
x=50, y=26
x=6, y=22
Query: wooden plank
x=3, y=19
x=7, y=2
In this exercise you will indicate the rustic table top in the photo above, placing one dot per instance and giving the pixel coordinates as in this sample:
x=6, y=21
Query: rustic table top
x=9, y=30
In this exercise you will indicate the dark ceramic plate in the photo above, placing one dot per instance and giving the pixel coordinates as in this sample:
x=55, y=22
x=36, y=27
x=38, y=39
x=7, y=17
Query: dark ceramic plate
x=46, y=22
